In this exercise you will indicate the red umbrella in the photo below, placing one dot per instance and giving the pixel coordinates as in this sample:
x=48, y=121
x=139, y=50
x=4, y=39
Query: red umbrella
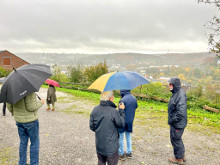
x=52, y=82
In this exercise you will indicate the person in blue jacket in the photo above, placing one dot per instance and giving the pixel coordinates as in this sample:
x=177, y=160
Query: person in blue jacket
x=130, y=103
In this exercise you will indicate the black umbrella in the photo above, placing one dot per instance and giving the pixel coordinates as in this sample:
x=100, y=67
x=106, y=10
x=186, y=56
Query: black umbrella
x=23, y=81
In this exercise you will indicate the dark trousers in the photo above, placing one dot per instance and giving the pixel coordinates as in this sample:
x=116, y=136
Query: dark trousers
x=177, y=142
x=111, y=160
x=4, y=109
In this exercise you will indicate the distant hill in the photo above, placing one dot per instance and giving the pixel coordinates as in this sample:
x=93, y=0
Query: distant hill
x=183, y=59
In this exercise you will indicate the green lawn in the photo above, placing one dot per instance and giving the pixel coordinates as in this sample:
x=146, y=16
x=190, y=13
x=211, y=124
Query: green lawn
x=155, y=113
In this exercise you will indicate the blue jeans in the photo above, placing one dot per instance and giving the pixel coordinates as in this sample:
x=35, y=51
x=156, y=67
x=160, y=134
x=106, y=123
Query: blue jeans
x=121, y=143
x=26, y=131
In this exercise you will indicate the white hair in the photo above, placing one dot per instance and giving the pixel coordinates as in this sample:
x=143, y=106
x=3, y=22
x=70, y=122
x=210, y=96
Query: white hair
x=106, y=95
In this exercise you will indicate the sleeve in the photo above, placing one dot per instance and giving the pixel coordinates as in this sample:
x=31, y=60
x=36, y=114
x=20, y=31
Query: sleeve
x=91, y=123
x=31, y=102
x=119, y=118
x=181, y=106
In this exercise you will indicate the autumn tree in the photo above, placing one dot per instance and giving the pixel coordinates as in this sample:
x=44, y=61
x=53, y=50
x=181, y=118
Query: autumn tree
x=93, y=72
x=214, y=26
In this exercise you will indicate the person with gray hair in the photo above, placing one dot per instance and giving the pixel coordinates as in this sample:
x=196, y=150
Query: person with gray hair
x=105, y=120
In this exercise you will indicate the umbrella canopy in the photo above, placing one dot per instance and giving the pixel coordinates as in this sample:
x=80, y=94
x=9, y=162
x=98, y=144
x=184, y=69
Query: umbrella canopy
x=118, y=80
x=52, y=82
x=23, y=81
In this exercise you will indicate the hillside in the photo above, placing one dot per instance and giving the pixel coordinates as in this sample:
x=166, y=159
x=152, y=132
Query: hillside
x=122, y=59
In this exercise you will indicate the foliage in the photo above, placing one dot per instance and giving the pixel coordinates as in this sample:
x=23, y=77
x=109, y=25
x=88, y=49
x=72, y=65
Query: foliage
x=4, y=72
x=57, y=75
x=91, y=73
x=214, y=27
x=76, y=74
x=153, y=89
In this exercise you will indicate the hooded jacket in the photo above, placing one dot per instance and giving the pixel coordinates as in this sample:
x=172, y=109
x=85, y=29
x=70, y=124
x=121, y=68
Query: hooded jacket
x=25, y=110
x=105, y=121
x=130, y=103
x=177, y=107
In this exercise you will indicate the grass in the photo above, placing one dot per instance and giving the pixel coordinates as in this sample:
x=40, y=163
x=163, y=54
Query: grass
x=154, y=113
x=7, y=156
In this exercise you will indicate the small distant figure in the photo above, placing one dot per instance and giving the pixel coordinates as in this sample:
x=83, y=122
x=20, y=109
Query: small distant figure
x=51, y=97
x=25, y=113
x=130, y=103
x=105, y=120
x=177, y=119
x=4, y=109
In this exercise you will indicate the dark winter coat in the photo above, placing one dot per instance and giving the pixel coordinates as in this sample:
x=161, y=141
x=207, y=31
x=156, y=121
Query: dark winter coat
x=130, y=103
x=105, y=121
x=177, y=108
x=51, y=93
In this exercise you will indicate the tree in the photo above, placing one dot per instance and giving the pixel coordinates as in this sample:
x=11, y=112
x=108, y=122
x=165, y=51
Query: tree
x=93, y=72
x=214, y=27
x=57, y=75
x=76, y=74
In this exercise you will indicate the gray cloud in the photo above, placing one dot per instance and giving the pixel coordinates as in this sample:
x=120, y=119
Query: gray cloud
x=103, y=25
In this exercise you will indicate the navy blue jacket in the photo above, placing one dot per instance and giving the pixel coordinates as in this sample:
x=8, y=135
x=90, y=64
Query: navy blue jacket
x=177, y=107
x=130, y=103
x=105, y=121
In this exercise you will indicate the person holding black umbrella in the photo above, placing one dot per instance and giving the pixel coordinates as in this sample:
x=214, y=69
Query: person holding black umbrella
x=18, y=91
x=25, y=113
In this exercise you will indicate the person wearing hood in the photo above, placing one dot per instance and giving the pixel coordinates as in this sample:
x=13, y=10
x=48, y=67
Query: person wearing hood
x=177, y=119
x=105, y=120
x=130, y=103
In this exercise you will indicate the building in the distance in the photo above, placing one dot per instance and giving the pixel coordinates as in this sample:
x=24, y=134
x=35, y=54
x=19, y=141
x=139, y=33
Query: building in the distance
x=8, y=60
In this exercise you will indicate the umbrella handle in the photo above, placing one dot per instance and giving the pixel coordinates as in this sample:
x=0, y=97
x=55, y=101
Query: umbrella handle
x=38, y=97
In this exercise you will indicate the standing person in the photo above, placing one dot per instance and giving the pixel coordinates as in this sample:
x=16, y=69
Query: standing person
x=177, y=119
x=130, y=103
x=105, y=120
x=4, y=109
x=51, y=97
x=25, y=113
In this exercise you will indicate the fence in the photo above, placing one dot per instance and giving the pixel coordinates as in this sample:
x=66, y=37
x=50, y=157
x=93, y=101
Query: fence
x=84, y=87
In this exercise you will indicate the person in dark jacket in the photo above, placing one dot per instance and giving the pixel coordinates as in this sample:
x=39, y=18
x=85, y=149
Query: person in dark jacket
x=51, y=97
x=177, y=119
x=105, y=120
x=130, y=103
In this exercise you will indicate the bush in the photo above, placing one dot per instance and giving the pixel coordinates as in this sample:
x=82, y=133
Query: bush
x=154, y=89
x=91, y=73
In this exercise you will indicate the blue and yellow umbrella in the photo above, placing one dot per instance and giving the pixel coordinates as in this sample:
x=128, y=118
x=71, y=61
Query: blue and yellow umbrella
x=118, y=80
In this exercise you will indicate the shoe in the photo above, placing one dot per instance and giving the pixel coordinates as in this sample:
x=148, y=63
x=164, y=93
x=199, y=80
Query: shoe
x=122, y=157
x=47, y=109
x=53, y=110
x=129, y=155
x=175, y=161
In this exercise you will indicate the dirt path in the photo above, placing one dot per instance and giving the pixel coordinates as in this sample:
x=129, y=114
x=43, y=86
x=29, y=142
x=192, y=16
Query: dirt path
x=65, y=139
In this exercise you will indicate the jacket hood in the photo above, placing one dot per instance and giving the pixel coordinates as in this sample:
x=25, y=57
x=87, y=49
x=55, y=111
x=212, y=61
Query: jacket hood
x=175, y=81
x=124, y=92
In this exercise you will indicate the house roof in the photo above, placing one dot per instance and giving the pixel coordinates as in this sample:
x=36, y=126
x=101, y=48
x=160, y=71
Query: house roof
x=1, y=51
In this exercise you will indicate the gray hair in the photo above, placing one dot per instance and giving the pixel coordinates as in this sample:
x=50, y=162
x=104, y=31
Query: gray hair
x=106, y=95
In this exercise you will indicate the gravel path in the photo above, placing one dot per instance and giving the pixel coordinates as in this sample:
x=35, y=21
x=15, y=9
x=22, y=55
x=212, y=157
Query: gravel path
x=65, y=139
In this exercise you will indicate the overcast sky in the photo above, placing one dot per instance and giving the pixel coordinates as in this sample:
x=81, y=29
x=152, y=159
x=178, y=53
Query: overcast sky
x=104, y=26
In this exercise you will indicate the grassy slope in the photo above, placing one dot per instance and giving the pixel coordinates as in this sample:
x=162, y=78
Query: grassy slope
x=155, y=113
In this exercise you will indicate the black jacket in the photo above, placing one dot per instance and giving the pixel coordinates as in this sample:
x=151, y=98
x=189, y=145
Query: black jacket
x=105, y=121
x=177, y=108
